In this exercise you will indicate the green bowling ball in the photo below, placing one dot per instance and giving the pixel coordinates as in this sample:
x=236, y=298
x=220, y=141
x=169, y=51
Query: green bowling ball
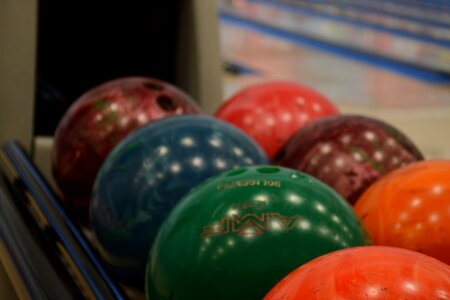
x=236, y=235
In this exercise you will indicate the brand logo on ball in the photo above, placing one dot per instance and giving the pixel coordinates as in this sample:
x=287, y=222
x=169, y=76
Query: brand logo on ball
x=251, y=224
x=248, y=183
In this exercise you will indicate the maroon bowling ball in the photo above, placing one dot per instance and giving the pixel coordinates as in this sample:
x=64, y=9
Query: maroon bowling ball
x=99, y=120
x=348, y=152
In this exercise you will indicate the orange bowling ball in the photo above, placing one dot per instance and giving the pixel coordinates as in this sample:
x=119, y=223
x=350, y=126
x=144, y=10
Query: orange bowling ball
x=370, y=273
x=410, y=208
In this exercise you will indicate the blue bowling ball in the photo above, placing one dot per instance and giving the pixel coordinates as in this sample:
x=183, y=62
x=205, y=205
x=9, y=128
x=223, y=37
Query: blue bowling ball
x=149, y=172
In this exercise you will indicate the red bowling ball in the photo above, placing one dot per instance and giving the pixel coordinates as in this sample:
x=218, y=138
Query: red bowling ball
x=348, y=152
x=370, y=272
x=99, y=120
x=272, y=112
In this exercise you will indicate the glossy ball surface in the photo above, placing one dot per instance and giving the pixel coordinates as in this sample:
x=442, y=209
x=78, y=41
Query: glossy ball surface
x=272, y=112
x=370, y=273
x=238, y=234
x=410, y=208
x=99, y=120
x=149, y=172
x=348, y=152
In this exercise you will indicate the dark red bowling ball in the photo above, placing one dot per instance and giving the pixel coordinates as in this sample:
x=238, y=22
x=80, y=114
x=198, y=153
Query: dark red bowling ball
x=99, y=120
x=348, y=152
x=370, y=272
x=272, y=112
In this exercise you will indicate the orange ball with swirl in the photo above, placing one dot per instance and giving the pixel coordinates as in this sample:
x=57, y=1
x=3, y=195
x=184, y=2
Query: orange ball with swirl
x=410, y=208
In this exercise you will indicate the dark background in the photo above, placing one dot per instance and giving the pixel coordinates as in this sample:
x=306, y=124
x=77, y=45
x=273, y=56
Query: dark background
x=84, y=43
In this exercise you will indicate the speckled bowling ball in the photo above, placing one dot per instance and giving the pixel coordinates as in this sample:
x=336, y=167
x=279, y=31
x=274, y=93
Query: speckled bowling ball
x=348, y=152
x=149, y=172
x=410, y=208
x=238, y=234
x=371, y=273
x=271, y=112
x=99, y=120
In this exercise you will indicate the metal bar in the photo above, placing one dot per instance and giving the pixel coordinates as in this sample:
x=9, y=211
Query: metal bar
x=66, y=238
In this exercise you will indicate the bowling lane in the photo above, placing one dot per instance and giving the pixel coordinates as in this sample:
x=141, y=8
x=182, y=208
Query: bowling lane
x=408, y=11
x=419, y=109
x=416, y=43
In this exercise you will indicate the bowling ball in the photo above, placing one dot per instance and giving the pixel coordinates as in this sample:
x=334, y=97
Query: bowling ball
x=149, y=172
x=238, y=234
x=371, y=272
x=410, y=208
x=99, y=120
x=272, y=112
x=348, y=152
